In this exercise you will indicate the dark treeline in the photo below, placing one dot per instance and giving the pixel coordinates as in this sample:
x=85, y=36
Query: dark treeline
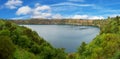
x=60, y=21
x=19, y=42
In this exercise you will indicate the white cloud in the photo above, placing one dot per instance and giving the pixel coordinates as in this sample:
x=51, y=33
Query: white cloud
x=80, y=17
x=12, y=4
x=45, y=7
x=44, y=11
x=57, y=16
x=37, y=4
x=114, y=15
x=76, y=0
x=72, y=4
x=39, y=11
x=96, y=17
x=24, y=10
x=42, y=15
x=86, y=17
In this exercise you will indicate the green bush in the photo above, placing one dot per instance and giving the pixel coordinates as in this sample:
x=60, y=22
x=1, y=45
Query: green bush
x=35, y=49
x=106, y=45
x=116, y=55
x=7, y=48
x=81, y=49
x=23, y=41
x=5, y=33
x=27, y=42
x=23, y=54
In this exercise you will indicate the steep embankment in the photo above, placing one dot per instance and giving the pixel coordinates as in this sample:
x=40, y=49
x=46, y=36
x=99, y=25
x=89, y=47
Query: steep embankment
x=104, y=46
x=18, y=42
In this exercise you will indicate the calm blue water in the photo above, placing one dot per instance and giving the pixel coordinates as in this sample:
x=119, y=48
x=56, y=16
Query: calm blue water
x=66, y=36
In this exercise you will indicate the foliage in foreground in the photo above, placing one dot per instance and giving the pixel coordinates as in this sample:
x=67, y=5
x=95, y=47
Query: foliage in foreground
x=19, y=42
x=104, y=46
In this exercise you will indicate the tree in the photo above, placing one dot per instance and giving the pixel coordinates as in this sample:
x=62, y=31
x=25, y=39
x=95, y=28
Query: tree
x=35, y=49
x=81, y=49
x=7, y=48
x=23, y=41
x=5, y=33
x=116, y=55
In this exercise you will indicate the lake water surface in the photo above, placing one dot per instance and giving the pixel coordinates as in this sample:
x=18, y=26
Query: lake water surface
x=66, y=36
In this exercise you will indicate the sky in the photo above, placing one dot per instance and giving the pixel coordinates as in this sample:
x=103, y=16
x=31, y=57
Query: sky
x=59, y=9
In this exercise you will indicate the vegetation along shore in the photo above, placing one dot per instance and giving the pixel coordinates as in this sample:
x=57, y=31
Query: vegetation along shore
x=19, y=42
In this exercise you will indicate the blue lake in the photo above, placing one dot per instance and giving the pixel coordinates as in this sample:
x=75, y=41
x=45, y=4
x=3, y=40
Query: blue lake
x=69, y=37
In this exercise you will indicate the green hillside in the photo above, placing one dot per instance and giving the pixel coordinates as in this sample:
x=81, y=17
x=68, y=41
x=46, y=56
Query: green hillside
x=104, y=46
x=19, y=42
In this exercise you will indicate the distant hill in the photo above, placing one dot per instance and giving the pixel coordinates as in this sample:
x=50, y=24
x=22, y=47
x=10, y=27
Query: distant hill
x=61, y=21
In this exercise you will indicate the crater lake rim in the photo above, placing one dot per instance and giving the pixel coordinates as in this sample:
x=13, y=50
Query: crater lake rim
x=69, y=37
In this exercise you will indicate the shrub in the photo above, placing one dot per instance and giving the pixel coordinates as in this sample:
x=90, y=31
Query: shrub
x=23, y=41
x=6, y=48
